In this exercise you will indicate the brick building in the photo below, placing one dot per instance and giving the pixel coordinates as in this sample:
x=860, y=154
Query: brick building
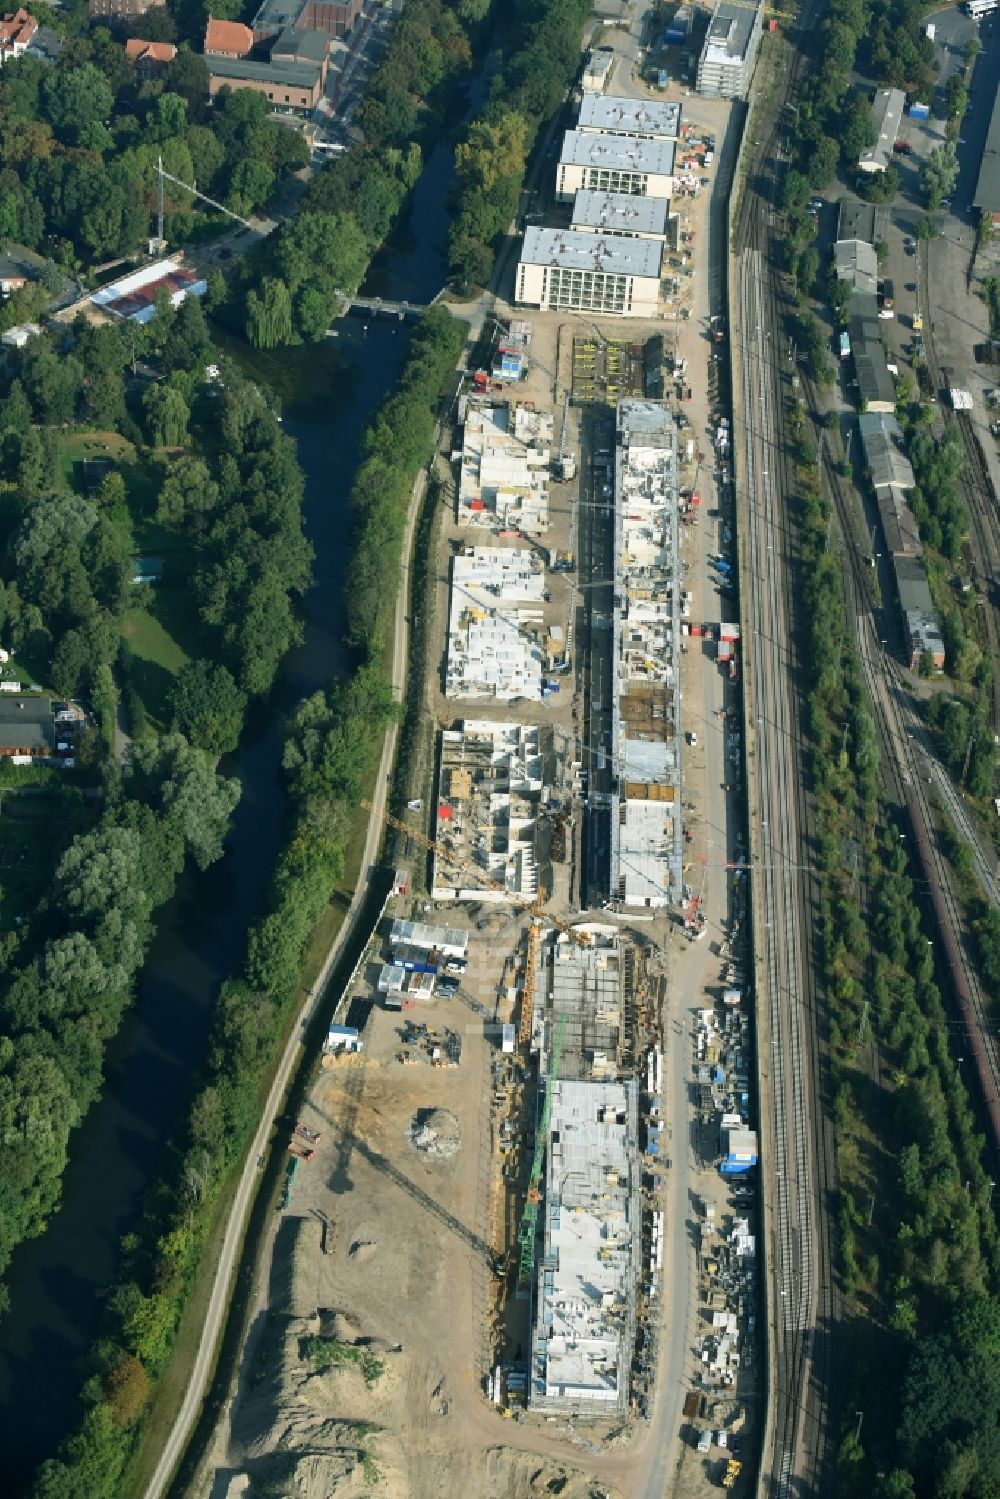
x=120, y=9
x=289, y=69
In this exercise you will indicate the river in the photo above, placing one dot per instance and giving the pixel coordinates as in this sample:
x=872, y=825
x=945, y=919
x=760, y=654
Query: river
x=58, y=1282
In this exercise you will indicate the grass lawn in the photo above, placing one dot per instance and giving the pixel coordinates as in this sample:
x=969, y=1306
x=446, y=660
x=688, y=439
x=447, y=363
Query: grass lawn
x=74, y=447
x=137, y=517
x=157, y=656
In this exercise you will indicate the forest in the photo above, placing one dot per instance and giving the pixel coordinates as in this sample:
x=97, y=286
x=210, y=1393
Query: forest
x=79, y=143
x=333, y=743
x=206, y=469
x=918, y=1246
x=540, y=56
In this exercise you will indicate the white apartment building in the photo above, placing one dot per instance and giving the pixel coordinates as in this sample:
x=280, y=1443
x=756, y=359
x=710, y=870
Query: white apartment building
x=577, y=271
x=730, y=51
x=614, y=164
x=620, y=213
x=646, y=119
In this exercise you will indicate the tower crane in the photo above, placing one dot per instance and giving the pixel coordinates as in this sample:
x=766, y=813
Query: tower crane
x=535, y=905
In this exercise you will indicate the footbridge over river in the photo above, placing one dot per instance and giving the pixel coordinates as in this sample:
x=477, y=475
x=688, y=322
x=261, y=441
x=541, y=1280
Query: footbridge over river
x=383, y=307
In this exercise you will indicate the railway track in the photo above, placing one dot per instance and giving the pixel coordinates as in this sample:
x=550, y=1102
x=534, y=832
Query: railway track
x=980, y=500
x=805, y=1306
x=803, y=1164
x=905, y=761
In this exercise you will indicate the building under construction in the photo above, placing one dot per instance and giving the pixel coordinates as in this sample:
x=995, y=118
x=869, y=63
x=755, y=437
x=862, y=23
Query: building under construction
x=495, y=780
x=588, y=991
x=646, y=832
x=585, y=1295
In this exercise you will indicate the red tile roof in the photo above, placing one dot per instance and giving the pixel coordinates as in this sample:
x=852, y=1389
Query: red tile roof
x=228, y=38
x=17, y=28
x=137, y=49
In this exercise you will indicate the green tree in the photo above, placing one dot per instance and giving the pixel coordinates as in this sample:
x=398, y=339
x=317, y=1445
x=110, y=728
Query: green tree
x=70, y=663
x=208, y=707
x=269, y=314
x=197, y=802
x=74, y=99
x=188, y=493
x=167, y=416
x=938, y=174
x=859, y=132
x=53, y=384
x=252, y=183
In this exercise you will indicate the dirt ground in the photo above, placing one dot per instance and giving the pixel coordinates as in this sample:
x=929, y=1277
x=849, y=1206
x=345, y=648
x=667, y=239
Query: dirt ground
x=384, y=1246
x=386, y=1249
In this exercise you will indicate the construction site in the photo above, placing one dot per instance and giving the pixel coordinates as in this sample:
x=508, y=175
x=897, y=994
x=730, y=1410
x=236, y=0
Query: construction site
x=496, y=1217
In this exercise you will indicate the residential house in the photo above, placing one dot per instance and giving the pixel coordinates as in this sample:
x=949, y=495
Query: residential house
x=27, y=726
x=17, y=28
x=227, y=39
x=150, y=58
x=13, y=275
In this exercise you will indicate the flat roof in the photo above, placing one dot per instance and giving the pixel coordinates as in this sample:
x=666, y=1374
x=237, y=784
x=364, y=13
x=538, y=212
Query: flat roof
x=275, y=15
x=293, y=74
x=17, y=708
x=618, y=153
x=302, y=42
x=423, y=935
x=640, y=117
x=868, y=221
x=585, y=1308
x=987, y=195
x=621, y=212
x=729, y=33
x=575, y=250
